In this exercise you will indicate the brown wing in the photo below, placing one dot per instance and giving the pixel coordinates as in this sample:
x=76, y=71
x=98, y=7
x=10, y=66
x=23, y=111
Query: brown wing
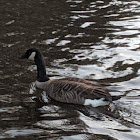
x=74, y=92
x=92, y=83
x=97, y=89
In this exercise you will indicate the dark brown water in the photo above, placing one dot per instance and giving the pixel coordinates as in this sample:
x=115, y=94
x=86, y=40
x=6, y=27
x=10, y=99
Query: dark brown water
x=87, y=39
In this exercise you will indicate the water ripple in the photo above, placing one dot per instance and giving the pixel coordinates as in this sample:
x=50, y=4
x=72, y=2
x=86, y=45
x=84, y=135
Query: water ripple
x=95, y=40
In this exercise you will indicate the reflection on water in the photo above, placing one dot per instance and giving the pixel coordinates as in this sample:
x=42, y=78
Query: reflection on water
x=87, y=39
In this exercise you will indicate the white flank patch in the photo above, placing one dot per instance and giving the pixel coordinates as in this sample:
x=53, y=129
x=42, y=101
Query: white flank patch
x=32, y=56
x=96, y=102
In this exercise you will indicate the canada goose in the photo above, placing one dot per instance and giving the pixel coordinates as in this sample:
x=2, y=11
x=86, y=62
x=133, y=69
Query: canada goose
x=69, y=90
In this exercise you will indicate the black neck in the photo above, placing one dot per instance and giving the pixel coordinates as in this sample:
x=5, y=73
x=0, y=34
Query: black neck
x=41, y=71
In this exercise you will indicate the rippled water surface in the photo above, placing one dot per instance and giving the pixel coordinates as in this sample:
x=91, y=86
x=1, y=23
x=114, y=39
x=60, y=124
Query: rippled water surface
x=95, y=40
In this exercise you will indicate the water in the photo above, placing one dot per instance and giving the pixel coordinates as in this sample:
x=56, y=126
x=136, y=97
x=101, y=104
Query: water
x=87, y=39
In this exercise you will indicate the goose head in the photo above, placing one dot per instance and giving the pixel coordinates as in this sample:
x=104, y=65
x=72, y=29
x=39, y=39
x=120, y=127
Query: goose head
x=30, y=54
x=35, y=55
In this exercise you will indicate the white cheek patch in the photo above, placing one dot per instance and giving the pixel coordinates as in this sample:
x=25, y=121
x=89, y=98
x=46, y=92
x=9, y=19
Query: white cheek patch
x=96, y=102
x=32, y=56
